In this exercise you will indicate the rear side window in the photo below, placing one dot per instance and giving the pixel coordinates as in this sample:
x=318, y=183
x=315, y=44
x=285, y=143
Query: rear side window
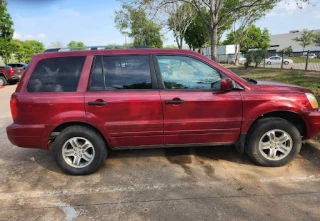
x=120, y=73
x=56, y=75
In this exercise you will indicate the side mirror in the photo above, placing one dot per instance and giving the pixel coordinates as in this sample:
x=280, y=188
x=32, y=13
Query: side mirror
x=226, y=84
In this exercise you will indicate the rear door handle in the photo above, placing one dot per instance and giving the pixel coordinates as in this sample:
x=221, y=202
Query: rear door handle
x=174, y=101
x=97, y=103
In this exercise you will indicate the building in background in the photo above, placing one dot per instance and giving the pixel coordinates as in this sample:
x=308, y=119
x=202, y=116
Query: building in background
x=281, y=41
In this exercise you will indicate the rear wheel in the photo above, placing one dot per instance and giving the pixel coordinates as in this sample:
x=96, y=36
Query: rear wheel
x=286, y=62
x=273, y=142
x=269, y=62
x=79, y=150
x=3, y=81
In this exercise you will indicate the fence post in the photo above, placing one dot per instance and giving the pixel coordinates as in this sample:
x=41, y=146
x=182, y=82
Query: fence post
x=282, y=60
x=307, y=61
x=227, y=58
x=264, y=61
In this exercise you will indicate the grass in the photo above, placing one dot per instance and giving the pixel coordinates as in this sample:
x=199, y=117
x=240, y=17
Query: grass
x=306, y=79
x=303, y=60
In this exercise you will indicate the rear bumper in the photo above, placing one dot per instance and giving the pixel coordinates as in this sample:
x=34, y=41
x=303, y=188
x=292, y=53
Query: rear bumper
x=15, y=77
x=28, y=136
x=313, y=124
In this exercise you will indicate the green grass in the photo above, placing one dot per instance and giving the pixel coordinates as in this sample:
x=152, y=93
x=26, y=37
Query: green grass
x=303, y=60
x=306, y=79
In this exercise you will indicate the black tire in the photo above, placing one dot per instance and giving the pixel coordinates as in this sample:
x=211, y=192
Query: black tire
x=98, y=143
x=286, y=62
x=12, y=82
x=259, y=129
x=3, y=81
x=269, y=62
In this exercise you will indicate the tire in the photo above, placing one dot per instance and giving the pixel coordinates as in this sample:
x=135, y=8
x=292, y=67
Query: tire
x=12, y=82
x=271, y=152
x=3, y=81
x=269, y=62
x=67, y=149
x=286, y=62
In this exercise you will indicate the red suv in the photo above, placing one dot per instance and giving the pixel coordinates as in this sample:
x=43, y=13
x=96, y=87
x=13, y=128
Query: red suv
x=80, y=104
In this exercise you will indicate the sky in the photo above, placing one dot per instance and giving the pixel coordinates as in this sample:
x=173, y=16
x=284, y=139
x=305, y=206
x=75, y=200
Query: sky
x=92, y=22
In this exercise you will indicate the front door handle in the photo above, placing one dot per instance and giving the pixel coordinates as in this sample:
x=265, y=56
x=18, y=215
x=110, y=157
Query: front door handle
x=97, y=103
x=174, y=101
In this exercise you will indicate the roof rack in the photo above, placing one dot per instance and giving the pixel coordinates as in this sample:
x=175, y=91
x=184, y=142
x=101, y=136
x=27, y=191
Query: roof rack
x=94, y=48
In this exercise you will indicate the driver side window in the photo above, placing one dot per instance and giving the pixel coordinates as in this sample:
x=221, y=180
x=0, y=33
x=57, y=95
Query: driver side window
x=180, y=72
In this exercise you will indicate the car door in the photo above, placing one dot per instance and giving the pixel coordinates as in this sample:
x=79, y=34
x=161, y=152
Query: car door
x=122, y=96
x=196, y=111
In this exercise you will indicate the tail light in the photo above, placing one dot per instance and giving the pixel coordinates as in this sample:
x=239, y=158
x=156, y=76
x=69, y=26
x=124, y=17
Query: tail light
x=11, y=71
x=13, y=107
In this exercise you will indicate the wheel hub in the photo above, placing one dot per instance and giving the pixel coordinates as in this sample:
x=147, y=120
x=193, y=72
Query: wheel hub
x=78, y=152
x=275, y=144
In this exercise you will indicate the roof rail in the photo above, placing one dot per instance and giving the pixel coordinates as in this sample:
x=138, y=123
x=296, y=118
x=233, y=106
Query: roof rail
x=94, y=48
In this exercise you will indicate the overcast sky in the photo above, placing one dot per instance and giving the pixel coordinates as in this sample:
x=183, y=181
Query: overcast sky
x=92, y=22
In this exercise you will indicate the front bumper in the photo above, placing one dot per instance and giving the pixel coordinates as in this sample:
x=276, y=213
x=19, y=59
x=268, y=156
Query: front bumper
x=28, y=136
x=313, y=127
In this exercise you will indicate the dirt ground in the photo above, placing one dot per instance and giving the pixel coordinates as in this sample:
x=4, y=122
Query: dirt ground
x=157, y=184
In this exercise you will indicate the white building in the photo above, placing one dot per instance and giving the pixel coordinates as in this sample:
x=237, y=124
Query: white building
x=281, y=41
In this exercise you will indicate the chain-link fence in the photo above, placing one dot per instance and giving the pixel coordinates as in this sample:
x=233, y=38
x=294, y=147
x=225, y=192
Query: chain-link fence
x=287, y=60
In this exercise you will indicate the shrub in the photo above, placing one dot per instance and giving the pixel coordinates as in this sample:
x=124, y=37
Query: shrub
x=255, y=57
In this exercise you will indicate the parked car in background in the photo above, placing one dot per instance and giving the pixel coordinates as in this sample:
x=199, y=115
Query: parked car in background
x=18, y=68
x=311, y=55
x=278, y=60
x=7, y=75
x=81, y=104
x=242, y=60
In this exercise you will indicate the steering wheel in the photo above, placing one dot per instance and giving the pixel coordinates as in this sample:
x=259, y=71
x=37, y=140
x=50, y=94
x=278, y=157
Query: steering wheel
x=165, y=75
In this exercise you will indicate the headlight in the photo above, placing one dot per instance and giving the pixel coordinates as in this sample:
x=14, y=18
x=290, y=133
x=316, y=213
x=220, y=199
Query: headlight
x=313, y=101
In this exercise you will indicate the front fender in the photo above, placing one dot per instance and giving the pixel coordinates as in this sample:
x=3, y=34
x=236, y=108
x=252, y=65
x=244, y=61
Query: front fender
x=258, y=105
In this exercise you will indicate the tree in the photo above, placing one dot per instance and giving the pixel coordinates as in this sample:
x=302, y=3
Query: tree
x=256, y=38
x=134, y=23
x=37, y=46
x=171, y=46
x=76, y=45
x=316, y=39
x=221, y=13
x=197, y=35
x=181, y=16
x=6, y=31
x=241, y=24
x=305, y=39
x=56, y=44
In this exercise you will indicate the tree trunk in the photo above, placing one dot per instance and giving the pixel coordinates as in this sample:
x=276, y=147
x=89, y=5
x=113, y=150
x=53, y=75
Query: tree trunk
x=180, y=42
x=235, y=54
x=214, y=42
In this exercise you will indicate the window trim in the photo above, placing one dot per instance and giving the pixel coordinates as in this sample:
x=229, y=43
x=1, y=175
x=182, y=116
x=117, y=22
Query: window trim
x=161, y=83
x=152, y=73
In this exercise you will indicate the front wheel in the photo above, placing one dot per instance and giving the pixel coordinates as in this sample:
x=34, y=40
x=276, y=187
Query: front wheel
x=273, y=142
x=286, y=62
x=79, y=150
